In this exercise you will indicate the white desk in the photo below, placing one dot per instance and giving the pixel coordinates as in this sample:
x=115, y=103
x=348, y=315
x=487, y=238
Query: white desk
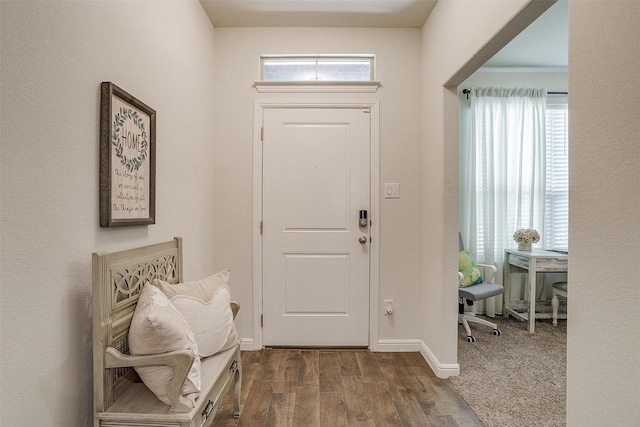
x=533, y=262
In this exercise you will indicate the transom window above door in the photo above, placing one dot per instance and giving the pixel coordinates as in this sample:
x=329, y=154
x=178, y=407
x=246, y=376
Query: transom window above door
x=310, y=68
x=317, y=73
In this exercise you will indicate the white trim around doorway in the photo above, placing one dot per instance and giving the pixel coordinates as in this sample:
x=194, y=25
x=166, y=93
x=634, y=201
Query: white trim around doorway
x=258, y=113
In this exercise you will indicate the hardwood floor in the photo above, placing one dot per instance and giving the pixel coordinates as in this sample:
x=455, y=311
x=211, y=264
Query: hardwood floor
x=332, y=388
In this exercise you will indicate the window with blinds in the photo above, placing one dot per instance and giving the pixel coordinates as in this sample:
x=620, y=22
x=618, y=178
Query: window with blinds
x=557, y=183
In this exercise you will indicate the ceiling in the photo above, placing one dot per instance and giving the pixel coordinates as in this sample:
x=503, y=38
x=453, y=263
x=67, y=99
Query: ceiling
x=542, y=44
x=318, y=13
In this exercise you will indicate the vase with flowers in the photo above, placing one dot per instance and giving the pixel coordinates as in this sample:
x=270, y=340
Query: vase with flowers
x=525, y=237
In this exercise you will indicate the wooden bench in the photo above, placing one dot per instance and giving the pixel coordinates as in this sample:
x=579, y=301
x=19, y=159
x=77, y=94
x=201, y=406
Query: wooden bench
x=119, y=397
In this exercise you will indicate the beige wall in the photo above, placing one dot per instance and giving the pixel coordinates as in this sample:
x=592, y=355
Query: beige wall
x=603, y=367
x=398, y=68
x=603, y=373
x=54, y=56
x=458, y=37
x=550, y=79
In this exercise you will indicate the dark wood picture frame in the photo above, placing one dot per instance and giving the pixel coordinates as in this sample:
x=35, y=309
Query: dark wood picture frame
x=127, y=159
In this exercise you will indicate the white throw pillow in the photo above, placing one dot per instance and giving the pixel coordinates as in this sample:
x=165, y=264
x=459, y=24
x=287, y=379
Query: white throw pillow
x=158, y=327
x=205, y=305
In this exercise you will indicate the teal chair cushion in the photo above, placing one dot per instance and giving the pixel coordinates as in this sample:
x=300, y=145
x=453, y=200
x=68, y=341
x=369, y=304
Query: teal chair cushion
x=469, y=269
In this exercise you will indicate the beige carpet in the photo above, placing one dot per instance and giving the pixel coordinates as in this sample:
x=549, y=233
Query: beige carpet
x=516, y=379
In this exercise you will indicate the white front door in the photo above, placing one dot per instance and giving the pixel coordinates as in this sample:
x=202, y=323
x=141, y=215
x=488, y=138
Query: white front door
x=316, y=180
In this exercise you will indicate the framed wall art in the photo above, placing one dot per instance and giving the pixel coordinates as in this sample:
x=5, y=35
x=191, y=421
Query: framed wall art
x=127, y=159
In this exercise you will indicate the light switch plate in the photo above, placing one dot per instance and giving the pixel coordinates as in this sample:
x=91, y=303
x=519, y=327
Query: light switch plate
x=391, y=190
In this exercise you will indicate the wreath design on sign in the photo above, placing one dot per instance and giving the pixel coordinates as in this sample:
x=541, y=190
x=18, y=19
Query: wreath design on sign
x=134, y=163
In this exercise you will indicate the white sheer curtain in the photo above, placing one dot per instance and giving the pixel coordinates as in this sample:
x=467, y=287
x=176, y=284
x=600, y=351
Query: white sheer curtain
x=502, y=174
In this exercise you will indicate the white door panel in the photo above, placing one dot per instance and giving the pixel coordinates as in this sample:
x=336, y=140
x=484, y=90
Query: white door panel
x=325, y=290
x=316, y=179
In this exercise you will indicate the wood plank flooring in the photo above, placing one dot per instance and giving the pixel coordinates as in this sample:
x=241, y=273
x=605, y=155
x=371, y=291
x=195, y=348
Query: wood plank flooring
x=333, y=388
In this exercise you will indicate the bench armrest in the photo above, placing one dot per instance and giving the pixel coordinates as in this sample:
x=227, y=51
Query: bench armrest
x=488, y=277
x=179, y=360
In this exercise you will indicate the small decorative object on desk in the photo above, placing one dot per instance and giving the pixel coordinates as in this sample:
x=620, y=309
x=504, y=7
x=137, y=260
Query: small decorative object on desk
x=525, y=237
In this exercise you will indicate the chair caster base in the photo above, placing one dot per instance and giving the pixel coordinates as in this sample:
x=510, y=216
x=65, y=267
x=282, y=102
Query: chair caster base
x=497, y=332
x=471, y=338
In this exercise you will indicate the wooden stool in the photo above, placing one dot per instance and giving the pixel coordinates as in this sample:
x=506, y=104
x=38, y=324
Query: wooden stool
x=559, y=288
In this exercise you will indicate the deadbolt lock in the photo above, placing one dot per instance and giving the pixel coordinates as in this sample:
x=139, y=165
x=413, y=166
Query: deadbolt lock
x=363, y=218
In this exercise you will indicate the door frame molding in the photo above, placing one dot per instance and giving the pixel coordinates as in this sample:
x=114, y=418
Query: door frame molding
x=260, y=105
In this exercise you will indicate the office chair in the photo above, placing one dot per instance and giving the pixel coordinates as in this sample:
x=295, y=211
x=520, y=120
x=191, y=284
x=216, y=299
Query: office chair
x=470, y=293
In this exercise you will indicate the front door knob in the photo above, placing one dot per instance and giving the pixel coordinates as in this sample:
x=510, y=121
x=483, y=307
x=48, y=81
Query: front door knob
x=362, y=239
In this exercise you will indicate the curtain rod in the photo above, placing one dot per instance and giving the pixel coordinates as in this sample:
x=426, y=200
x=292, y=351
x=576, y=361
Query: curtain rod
x=467, y=92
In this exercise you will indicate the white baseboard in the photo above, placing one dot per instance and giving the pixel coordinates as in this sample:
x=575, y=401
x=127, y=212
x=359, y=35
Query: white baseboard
x=397, y=345
x=247, y=344
x=442, y=370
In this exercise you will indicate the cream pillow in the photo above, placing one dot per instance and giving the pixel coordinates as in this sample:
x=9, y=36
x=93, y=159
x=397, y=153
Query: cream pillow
x=158, y=327
x=205, y=305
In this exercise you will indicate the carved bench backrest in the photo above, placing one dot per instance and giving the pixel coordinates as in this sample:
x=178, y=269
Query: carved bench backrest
x=118, y=278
